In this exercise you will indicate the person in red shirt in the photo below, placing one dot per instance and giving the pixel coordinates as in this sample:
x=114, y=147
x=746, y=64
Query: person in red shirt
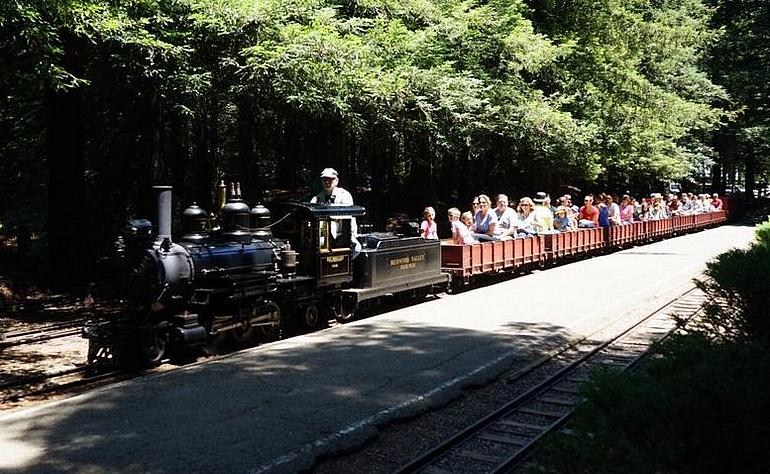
x=717, y=203
x=589, y=214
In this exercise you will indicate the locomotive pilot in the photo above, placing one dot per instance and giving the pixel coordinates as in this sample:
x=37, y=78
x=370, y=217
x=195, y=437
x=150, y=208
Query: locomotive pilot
x=333, y=194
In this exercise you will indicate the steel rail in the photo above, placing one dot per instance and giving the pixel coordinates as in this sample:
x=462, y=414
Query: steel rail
x=517, y=450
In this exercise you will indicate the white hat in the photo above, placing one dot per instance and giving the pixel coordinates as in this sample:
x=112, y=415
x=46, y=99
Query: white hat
x=329, y=173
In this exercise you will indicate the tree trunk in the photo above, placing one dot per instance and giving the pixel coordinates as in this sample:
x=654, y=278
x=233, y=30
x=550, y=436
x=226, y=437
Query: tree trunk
x=67, y=243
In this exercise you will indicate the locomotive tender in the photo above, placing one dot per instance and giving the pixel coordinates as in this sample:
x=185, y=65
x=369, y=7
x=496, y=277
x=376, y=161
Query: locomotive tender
x=245, y=276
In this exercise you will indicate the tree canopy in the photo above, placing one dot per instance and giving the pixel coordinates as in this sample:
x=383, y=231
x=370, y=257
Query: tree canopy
x=424, y=101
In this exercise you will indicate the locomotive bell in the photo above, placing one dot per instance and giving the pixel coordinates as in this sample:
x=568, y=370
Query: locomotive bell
x=260, y=222
x=195, y=221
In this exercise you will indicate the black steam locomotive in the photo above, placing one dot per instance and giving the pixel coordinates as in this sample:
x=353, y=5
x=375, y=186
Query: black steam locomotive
x=244, y=275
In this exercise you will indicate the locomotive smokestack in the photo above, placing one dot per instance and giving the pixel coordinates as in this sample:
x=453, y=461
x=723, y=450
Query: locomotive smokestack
x=164, y=211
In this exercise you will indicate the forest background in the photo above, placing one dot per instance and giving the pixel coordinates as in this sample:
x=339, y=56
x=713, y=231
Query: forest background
x=415, y=102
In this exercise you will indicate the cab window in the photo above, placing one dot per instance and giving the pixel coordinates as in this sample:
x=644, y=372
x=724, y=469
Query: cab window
x=334, y=234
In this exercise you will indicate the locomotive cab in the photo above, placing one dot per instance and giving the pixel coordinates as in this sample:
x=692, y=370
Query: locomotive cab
x=322, y=236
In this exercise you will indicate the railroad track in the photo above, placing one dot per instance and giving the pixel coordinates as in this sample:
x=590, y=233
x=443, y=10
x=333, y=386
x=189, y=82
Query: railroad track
x=502, y=440
x=45, y=333
x=58, y=382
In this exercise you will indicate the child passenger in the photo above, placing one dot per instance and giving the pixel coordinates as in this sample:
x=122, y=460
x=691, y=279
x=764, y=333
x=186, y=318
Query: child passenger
x=467, y=219
x=428, y=227
x=461, y=234
x=562, y=221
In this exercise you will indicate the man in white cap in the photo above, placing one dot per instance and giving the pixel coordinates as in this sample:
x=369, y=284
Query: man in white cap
x=333, y=194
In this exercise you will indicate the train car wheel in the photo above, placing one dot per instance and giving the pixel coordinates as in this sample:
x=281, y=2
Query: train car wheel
x=152, y=348
x=345, y=310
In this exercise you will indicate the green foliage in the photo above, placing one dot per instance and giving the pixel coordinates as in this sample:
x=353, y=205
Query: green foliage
x=738, y=292
x=702, y=407
x=703, y=404
x=438, y=99
x=739, y=62
x=763, y=233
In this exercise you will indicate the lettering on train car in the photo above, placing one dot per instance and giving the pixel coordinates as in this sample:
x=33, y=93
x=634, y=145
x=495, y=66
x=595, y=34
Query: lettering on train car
x=335, y=265
x=408, y=262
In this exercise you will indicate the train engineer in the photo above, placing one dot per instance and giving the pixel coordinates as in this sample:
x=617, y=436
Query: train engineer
x=333, y=194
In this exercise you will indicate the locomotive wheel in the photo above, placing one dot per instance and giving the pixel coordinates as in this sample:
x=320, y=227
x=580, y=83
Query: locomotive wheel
x=272, y=329
x=152, y=348
x=311, y=316
x=246, y=332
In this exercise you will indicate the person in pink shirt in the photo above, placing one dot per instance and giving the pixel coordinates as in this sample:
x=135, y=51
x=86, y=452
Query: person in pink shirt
x=626, y=209
x=428, y=227
x=461, y=234
x=717, y=203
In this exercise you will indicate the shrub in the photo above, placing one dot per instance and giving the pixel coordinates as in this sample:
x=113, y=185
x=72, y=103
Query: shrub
x=737, y=286
x=701, y=408
x=763, y=233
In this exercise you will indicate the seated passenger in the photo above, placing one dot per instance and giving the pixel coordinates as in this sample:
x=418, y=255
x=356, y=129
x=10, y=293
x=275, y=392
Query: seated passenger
x=626, y=210
x=507, y=222
x=461, y=234
x=659, y=205
x=542, y=221
x=687, y=207
x=467, y=219
x=656, y=211
x=614, y=209
x=428, y=227
x=475, y=206
x=485, y=220
x=562, y=221
x=526, y=217
x=589, y=214
x=717, y=203
x=674, y=206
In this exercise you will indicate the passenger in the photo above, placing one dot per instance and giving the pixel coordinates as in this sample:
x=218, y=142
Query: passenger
x=644, y=210
x=485, y=220
x=706, y=202
x=507, y=221
x=687, y=207
x=657, y=211
x=562, y=221
x=674, y=207
x=428, y=227
x=604, y=211
x=614, y=209
x=697, y=205
x=716, y=203
x=526, y=217
x=461, y=235
x=467, y=219
x=475, y=206
x=589, y=214
x=626, y=210
x=658, y=205
x=575, y=209
x=542, y=221
x=333, y=194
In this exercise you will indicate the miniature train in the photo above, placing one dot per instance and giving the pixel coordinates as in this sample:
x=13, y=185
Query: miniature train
x=244, y=275
x=249, y=271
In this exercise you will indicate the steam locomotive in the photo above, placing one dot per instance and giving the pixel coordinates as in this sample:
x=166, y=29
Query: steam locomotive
x=244, y=276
